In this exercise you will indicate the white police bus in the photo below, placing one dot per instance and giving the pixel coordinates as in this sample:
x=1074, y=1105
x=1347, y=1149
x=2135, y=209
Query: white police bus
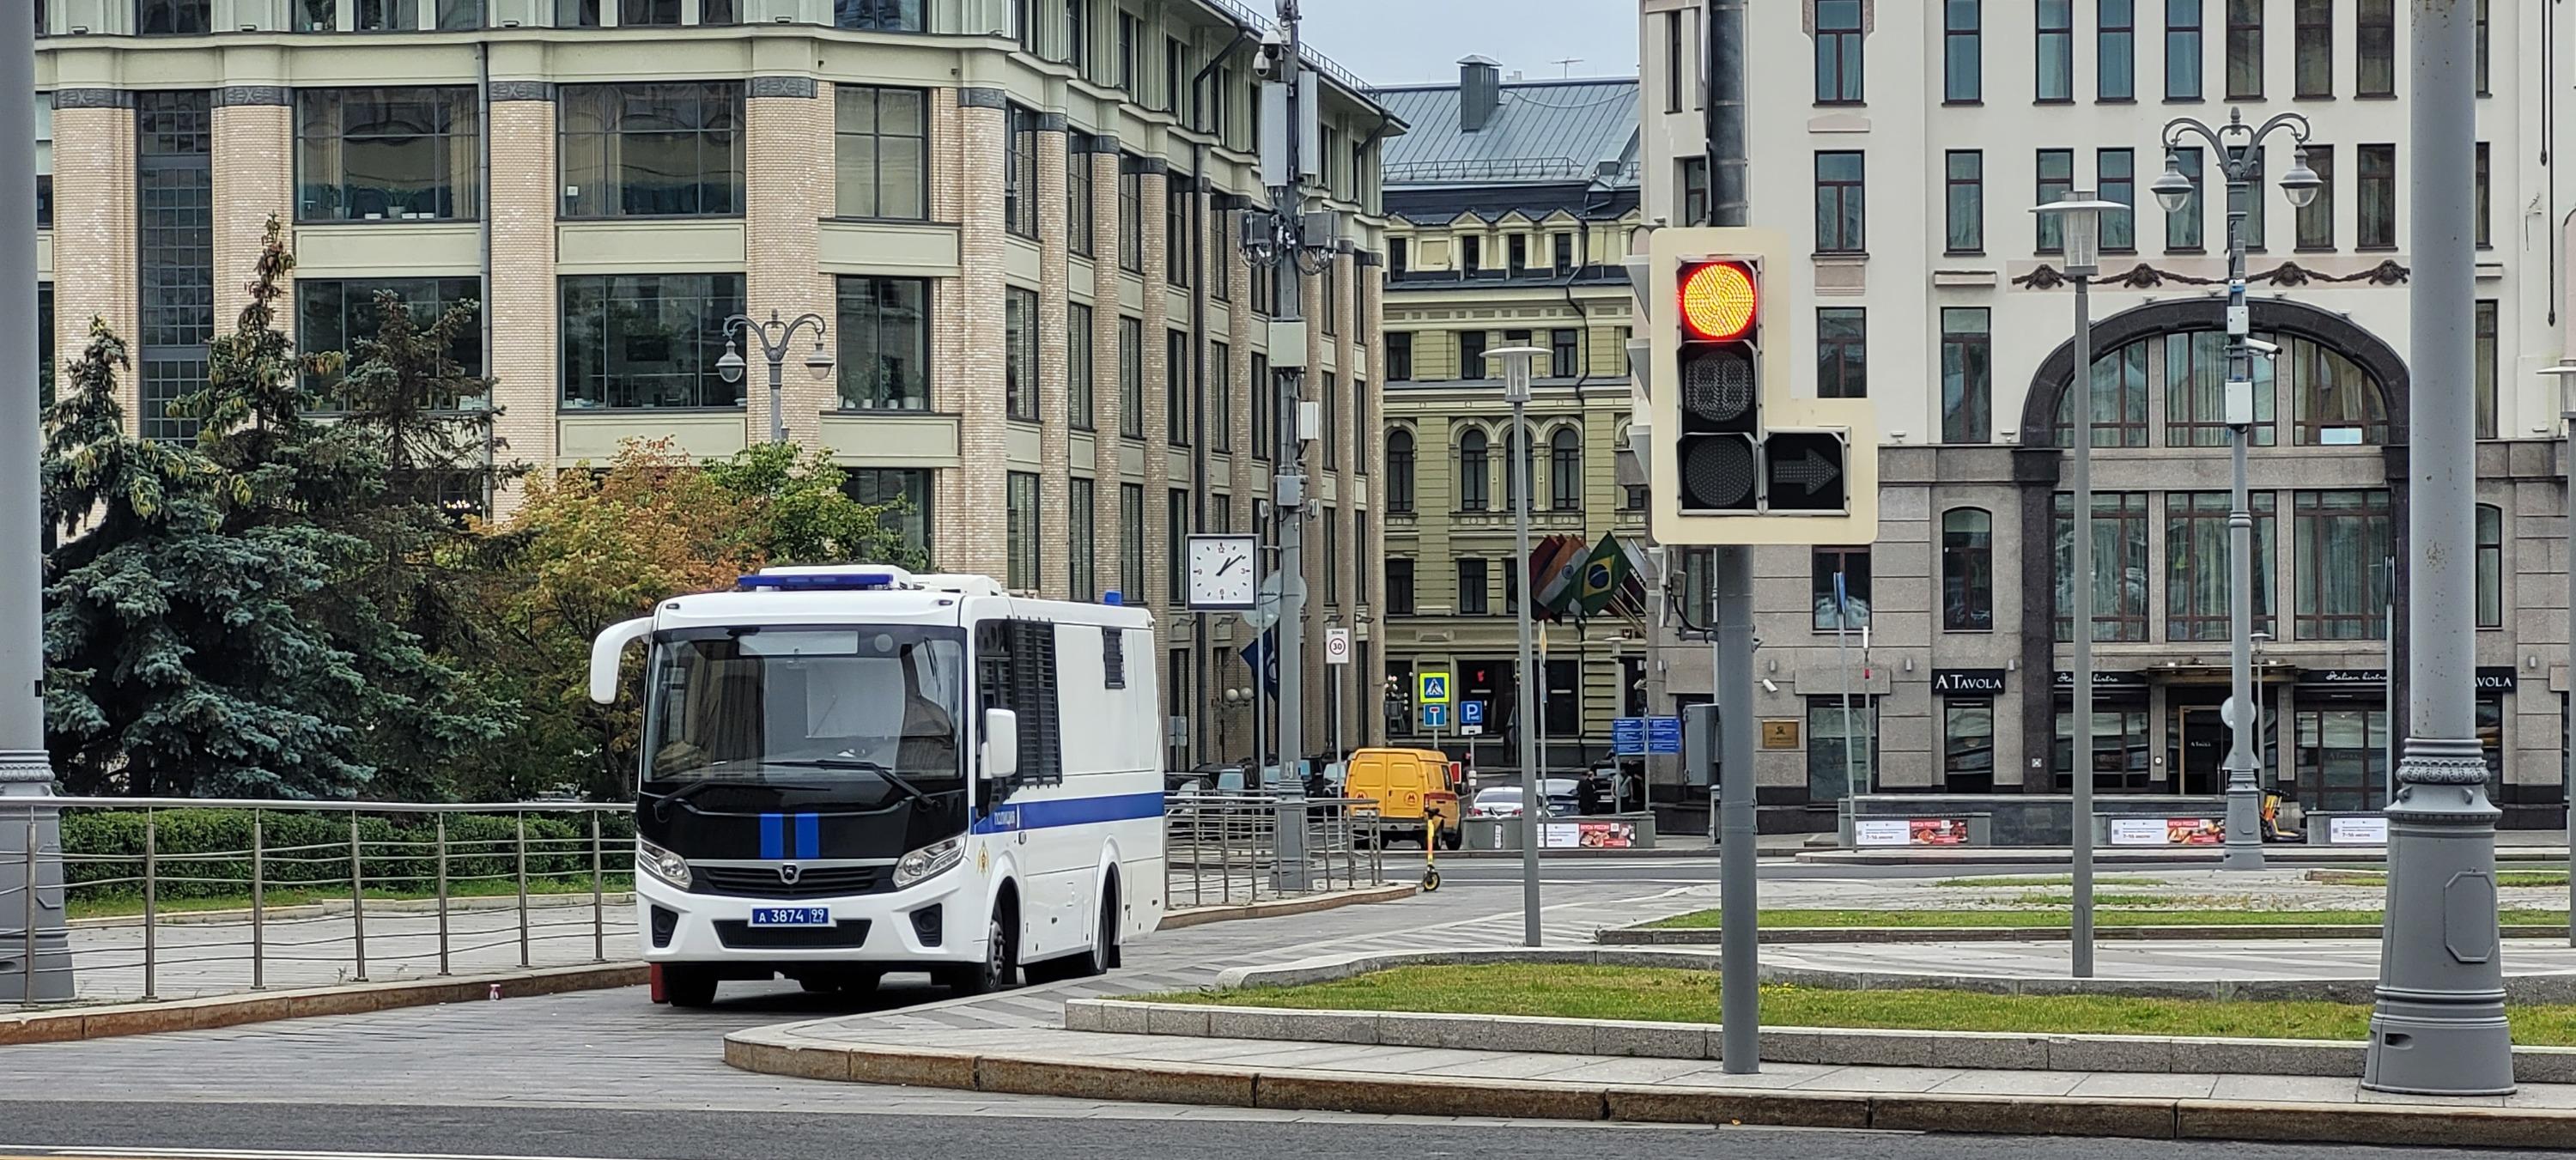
x=854, y=770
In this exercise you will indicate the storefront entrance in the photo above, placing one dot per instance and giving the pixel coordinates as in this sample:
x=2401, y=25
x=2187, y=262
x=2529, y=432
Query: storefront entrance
x=2201, y=754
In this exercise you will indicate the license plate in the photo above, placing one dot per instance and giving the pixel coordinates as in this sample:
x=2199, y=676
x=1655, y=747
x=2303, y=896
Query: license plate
x=791, y=916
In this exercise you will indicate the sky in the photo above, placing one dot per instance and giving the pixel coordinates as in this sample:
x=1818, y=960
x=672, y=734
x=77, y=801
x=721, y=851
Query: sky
x=1391, y=42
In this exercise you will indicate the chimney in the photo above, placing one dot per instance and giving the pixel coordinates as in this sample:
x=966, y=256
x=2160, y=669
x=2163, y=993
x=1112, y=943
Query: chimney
x=1480, y=92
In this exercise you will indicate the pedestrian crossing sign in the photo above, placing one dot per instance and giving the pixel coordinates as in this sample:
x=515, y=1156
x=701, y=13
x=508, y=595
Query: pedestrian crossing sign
x=1435, y=689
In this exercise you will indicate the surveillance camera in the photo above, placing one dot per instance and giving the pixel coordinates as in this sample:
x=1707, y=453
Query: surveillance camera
x=2258, y=346
x=1768, y=687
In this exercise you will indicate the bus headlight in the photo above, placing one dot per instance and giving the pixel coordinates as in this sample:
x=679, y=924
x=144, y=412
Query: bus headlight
x=662, y=864
x=928, y=860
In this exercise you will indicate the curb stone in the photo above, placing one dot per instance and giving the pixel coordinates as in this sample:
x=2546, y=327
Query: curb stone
x=1202, y=915
x=761, y=1050
x=106, y=1021
x=1643, y=936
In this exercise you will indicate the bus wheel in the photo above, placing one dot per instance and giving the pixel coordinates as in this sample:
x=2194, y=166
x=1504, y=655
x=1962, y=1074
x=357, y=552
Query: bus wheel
x=1001, y=966
x=689, y=985
x=1103, y=956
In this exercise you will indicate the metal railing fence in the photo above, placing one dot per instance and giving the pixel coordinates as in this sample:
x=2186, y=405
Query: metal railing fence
x=1227, y=849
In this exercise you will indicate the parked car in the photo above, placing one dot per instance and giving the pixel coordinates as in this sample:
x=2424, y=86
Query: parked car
x=1504, y=801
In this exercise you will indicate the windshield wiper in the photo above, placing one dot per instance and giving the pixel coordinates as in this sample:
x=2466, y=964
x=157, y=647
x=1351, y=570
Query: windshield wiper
x=891, y=777
x=662, y=804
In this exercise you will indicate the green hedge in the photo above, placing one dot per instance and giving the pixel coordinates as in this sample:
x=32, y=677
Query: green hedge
x=310, y=851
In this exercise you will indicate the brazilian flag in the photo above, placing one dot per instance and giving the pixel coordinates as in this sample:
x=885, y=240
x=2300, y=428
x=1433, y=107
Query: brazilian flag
x=1604, y=573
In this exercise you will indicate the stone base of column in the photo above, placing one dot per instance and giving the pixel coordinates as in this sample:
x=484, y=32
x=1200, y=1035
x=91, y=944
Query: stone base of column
x=26, y=822
x=2439, y=1025
x=2244, y=849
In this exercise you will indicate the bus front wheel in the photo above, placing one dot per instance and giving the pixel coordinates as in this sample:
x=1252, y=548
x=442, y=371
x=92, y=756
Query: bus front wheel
x=689, y=985
x=1001, y=966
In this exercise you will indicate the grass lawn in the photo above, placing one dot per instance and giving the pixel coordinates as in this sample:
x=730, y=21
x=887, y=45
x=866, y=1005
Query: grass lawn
x=123, y=905
x=2380, y=877
x=2052, y=880
x=1692, y=997
x=2041, y=919
x=2143, y=901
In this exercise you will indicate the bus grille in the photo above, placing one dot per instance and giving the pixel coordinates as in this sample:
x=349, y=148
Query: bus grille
x=742, y=936
x=813, y=882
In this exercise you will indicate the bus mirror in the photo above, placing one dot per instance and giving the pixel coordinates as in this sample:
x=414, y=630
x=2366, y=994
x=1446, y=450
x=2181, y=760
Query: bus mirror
x=1001, y=744
x=608, y=651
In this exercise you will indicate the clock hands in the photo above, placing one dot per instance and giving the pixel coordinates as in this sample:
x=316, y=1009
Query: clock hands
x=1229, y=564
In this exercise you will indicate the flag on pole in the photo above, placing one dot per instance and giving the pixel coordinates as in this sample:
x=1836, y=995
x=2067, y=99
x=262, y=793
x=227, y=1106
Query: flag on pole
x=1554, y=564
x=1605, y=571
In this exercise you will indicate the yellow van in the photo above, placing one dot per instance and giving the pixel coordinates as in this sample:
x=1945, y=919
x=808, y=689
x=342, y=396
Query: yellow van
x=1412, y=788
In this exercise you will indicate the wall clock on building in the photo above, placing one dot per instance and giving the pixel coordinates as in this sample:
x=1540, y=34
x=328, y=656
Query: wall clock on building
x=1223, y=572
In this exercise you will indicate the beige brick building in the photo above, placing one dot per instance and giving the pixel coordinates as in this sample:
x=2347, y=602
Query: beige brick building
x=1016, y=220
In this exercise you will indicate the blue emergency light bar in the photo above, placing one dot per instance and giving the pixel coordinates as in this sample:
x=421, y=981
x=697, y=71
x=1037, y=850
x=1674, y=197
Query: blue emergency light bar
x=821, y=582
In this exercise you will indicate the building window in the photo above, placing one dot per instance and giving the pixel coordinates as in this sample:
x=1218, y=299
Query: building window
x=2117, y=172
x=1077, y=194
x=2056, y=181
x=881, y=139
x=1967, y=745
x=2342, y=758
x=2375, y=58
x=1473, y=595
x=2119, y=565
x=2316, y=219
x=2115, y=45
x=1081, y=521
x=1564, y=359
x=2182, y=50
x=2333, y=402
x=387, y=154
x=1131, y=55
x=1399, y=257
x=1838, y=42
x=1131, y=378
x=1328, y=393
x=338, y=316
x=1399, y=586
x=1966, y=195
x=1675, y=54
x=568, y=14
x=1967, y=374
x=652, y=150
x=882, y=326
x=1131, y=542
x=1837, y=742
x=2118, y=401
x=1176, y=229
x=2119, y=749
x=1471, y=253
x=1399, y=472
x=2485, y=381
x=2342, y=537
x=647, y=340
x=1848, y=606
x=44, y=157
x=1399, y=356
x=1020, y=171
x=45, y=363
x=647, y=13
x=1023, y=547
x=2244, y=50
x=1564, y=252
x=2483, y=193
x=1565, y=470
x=2378, y=197
x=2183, y=226
x=1077, y=35
x=2254, y=202
x=2482, y=48
x=1220, y=396
x=1515, y=255
x=174, y=184
x=1328, y=295
x=2196, y=392
x=1962, y=51
x=1968, y=570
x=2055, y=76
x=1020, y=353
x=1176, y=388
x=906, y=491
x=173, y=17
x=1520, y=467
x=1131, y=214
x=2199, y=562
x=1471, y=355
x=1842, y=352
x=1332, y=555
x=1176, y=547
x=1693, y=178
x=1079, y=366
x=164, y=382
x=2490, y=566
x=2312, y=72
x=1474, y=490
x=1840, y=206
x=1264, y=390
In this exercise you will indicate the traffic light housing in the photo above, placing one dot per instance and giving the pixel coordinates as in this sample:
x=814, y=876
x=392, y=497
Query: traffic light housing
x=1748, y=456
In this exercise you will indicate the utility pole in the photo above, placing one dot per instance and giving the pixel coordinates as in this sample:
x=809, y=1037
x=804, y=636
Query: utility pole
x=32, y=933
x=2439, y=1027
x=1284, y=251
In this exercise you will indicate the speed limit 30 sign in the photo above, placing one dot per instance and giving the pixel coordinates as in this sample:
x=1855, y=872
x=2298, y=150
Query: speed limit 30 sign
x=1337, y=646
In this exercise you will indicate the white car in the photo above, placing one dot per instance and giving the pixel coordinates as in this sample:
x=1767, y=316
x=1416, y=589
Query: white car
x=1504, y=801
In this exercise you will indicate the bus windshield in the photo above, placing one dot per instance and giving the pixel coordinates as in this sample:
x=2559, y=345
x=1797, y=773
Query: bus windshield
x=808, y=707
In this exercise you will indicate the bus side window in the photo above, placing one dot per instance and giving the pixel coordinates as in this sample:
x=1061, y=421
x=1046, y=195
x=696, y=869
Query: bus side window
x=1113, y=658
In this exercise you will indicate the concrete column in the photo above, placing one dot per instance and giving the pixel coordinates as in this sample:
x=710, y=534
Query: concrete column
x=787, y=190
x=975, y=521
x=1105, y=467
x=1055, y=436
x=522, y=297
x=96, y=267
x=1158, y=372
x=254, y=180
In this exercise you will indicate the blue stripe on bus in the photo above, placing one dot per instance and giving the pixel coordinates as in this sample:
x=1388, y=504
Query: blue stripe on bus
x=809, y=836
x=773, y=836
x=1085, y=811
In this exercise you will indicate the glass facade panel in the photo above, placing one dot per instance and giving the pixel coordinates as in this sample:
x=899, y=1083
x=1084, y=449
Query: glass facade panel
x=648, y=340
x=883, y=329
x=881, y=149
x=387, y=154
x=652, y=149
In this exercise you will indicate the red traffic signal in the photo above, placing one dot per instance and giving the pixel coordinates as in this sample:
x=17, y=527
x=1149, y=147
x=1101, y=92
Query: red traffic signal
x=1719, y=301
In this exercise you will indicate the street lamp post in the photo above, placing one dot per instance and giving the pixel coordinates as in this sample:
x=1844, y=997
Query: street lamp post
x=2239, y=152
x=2079, y=218
x=1516, y=391
x=776, y=340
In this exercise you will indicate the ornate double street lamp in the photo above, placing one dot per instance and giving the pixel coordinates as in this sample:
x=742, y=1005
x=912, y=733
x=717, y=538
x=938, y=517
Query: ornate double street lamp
x=777, y=339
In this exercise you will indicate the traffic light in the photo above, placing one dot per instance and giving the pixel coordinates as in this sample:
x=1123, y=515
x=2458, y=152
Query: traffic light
x=1752, y=457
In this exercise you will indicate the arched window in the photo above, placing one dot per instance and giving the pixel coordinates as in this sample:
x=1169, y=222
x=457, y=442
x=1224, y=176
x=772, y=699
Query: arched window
x=1565, y=470
x=1473, y=495
x=1967, y=570
x=1399, y=472
x=2490, y=566
x=1523, y=445
x=2333, y=402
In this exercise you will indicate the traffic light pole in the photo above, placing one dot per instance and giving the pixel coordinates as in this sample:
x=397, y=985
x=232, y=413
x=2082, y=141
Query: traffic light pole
x=1739, y=961
x=2439, y=1026
x=1289, y=489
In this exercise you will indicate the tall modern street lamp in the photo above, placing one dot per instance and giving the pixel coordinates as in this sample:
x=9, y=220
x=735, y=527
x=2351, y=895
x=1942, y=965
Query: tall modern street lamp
x=2239, y=150
x=777, y=339
x=1516, y=391
x=2079, y=218
x=2565, y=373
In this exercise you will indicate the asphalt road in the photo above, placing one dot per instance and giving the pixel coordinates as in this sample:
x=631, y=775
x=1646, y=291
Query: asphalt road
x=67, y=1129
x=1689, y=870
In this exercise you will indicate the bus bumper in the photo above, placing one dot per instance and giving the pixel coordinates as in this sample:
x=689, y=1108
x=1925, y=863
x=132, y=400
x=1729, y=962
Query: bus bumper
x=937, y=921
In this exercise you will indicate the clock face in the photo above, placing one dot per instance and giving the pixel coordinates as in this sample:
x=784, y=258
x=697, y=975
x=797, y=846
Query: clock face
x=1222, y=572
